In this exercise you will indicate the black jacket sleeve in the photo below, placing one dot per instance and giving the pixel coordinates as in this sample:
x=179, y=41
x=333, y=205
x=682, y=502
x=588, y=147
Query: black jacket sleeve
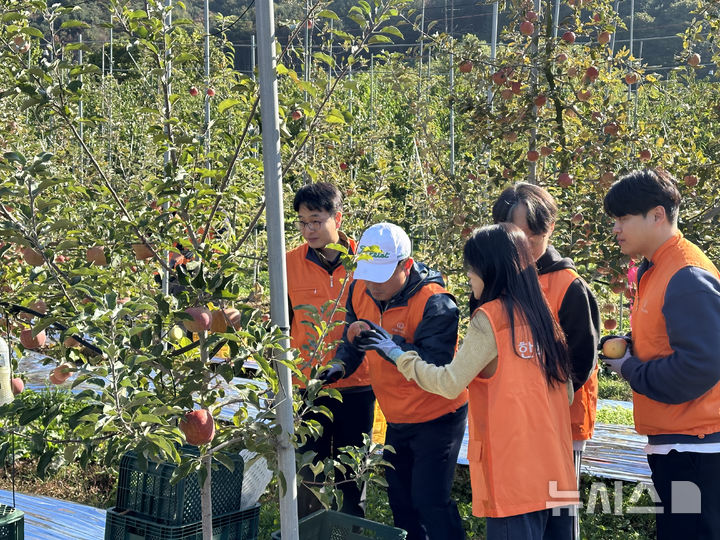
x=436, y=336
x=580, y=320
x=347, y=354
x=692, y=319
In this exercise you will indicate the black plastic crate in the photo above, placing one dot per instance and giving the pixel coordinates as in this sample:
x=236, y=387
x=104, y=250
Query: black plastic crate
x=331, y=525
x=151, y=495
x=240, y=525
x=12, y=523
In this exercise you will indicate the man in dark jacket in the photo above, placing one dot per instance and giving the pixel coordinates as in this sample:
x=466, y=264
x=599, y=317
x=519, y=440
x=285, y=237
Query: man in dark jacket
x=534, y=210
x=673, y=367
x=407, y=301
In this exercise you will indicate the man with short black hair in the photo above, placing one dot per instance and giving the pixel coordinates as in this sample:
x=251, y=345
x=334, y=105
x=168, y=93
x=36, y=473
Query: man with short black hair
x=674, y=366
x=408, y=303
x=315, y=276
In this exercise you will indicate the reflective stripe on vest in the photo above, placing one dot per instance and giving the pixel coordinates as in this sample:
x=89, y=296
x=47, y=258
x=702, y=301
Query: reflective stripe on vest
x=402, y=401
x=520, y=449
x=650, y=341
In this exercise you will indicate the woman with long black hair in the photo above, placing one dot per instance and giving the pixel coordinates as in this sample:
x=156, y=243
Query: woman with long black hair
x=515, y=363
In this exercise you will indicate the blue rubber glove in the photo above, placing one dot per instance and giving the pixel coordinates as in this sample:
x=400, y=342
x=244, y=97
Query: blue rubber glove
x=332, y=374
x=379, y=340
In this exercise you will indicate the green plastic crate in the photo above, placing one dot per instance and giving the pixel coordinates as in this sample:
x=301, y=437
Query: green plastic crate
x=331, y=525
x=239, y=525
x=12, y=523
x=151, y=495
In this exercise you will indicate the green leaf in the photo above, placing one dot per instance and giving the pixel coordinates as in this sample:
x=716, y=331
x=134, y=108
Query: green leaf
x=328, y=14
x=74, y=24
x=392, y=30
x=329, y=60
x=149, y=419
x=335, y=117
x=225, y=460
x=378, y=38
x=226, y=104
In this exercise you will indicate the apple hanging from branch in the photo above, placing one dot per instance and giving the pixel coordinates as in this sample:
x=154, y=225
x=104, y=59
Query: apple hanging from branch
x=198, y=427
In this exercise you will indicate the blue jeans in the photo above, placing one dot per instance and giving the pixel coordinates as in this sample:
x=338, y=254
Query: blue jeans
x=420, y=482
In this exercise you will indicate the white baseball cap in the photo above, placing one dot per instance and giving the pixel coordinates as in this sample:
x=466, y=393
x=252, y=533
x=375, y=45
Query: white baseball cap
x=394, y=247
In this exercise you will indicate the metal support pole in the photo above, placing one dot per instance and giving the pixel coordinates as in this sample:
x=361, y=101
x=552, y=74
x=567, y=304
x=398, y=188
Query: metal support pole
x=612, y=40
x=532, y=166
x=166, y=156
x=265, y=25
x=493, y=47
x=207, y=83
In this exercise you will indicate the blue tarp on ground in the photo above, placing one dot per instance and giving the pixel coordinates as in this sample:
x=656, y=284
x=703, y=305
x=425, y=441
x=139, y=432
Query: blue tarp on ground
x=52, y=519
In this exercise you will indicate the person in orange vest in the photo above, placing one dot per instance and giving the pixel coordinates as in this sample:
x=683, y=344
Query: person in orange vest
x=315, y=276
x=572, y=303
x=408, y=301
x=674, y=366
x=515, y=364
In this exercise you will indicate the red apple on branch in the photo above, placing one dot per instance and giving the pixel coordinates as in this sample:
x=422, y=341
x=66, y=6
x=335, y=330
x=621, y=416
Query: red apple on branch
x=198, y=427
x=565, y=180
x=61, y=373
x=610, y=324
x=194, y=91
x=694, y=60
x=527, y=28
x=17, y=385
x=592, y=73
x=690, y=180
x=604, y=37
x=465, y=66
x=568, y=37
x=32, y=342
x=201, y=319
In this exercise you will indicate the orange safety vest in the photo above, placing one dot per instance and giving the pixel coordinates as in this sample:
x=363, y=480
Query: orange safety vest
x=311, y=284
x=650, y=341
x=583, y=410
x=520, y=449
x=402, y=401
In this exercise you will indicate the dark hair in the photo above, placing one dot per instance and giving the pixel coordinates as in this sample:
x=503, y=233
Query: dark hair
x=501, y=256
x=640, y=191
x=541, y=207
x=319, y=196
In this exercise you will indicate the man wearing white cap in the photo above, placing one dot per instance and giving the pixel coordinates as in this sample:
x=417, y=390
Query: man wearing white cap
x=407, y=301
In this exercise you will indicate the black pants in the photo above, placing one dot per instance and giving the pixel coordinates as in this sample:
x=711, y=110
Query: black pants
x=540, y=525
x=352, y=417
x=688, y=484
x=420, y=482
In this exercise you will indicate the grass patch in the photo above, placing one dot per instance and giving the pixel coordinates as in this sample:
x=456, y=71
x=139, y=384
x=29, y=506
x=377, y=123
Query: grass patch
x=611, y=387
x=616, y=415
